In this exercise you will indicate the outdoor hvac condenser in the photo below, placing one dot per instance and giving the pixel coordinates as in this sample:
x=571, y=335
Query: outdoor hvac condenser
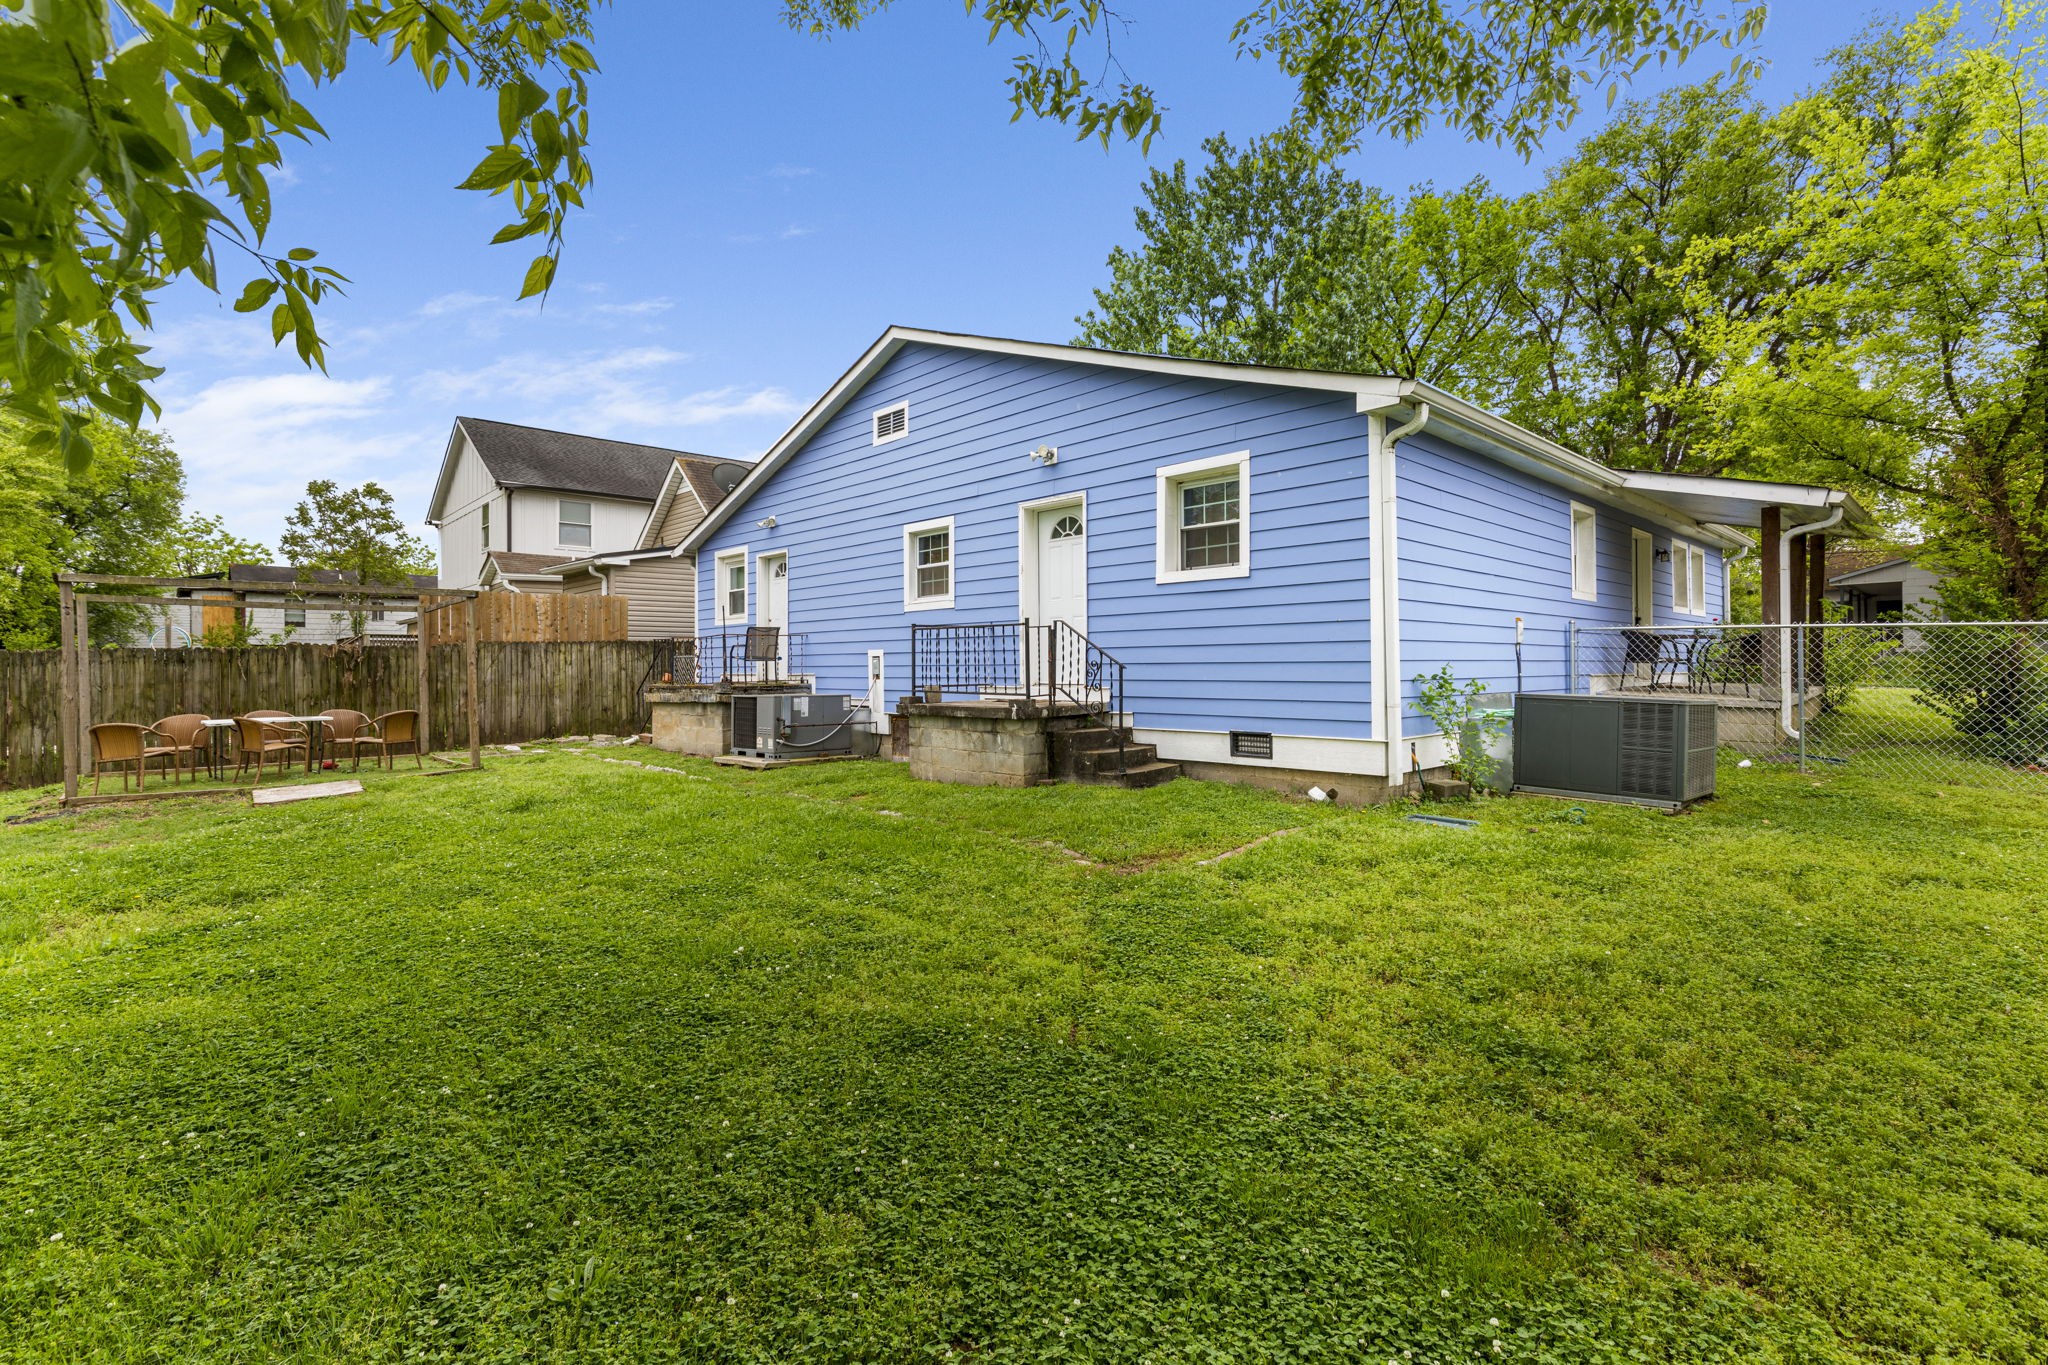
x=1655, y=751
x=790, y=725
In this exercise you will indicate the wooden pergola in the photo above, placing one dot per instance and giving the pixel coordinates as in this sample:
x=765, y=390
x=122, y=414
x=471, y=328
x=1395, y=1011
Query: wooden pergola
x=78, y=591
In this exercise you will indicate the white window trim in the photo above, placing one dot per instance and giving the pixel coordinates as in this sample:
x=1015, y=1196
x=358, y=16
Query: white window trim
x=719, y=563
x=1683, y=554
x=911, y=531
x=590, y=544
x=1166, y=518
x=1590, y=590
x=875, y=423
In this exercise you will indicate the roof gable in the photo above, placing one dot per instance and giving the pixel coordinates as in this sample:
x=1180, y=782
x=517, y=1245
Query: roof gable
x=534, y=457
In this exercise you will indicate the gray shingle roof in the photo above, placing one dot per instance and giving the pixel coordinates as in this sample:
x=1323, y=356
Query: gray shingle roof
x=530, y=457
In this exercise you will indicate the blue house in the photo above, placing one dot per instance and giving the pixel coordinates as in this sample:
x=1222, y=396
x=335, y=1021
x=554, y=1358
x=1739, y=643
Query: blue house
x=1271, y=555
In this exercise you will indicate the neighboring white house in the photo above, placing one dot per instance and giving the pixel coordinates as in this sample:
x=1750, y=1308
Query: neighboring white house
x=1883, y=585
x=274, y=614
x=521, y=509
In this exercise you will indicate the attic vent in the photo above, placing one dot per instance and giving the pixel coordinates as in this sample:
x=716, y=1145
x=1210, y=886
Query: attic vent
x=891, y=423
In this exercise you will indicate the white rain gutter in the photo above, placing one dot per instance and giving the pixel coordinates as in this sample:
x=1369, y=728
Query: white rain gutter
x=1827, y=522
x=1386, y=583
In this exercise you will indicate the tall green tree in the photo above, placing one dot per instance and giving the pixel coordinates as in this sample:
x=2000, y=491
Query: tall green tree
x=140, y=135
x=1913, y=354
x=354, y=531
x=118, y=516
x=1272, y=255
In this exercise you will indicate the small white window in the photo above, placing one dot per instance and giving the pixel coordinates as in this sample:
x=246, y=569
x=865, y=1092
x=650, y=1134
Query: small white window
x=928, y=565
x=1204, y=519
x=1585, y=554
x=731, y=585
x=1688, y=579
x=295, y=616
x=573, y=523
x=892, y=423
x=487, y=525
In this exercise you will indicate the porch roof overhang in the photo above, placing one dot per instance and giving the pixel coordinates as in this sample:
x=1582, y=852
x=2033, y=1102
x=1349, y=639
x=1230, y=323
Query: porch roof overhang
x=1741, y=502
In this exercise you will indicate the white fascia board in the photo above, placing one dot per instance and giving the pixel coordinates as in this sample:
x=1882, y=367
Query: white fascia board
x=446, y=476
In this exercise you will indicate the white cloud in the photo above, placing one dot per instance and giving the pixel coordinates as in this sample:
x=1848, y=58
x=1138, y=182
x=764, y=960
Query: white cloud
x=794, y=231
x=602, y=393
x=251, y=443
x=638, y=308
x=441, y=305
x=788, y=172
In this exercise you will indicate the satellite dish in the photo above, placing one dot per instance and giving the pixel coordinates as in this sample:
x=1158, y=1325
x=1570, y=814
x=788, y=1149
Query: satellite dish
x=728, y=473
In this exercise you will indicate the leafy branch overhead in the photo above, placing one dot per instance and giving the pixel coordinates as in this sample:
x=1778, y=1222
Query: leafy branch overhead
x=137, y=145
x=1500, y=71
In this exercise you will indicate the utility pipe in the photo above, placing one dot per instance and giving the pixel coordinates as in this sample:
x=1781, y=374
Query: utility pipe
x=1784, y=591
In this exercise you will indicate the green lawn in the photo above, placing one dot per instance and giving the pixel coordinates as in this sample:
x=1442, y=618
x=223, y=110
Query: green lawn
x=576, y=1060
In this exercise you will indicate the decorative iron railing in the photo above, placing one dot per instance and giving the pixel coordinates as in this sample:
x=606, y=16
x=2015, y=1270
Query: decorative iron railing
x=751, y=656
x=1015, y=660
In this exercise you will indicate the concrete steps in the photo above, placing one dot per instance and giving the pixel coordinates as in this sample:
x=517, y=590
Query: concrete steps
x=1090, y=753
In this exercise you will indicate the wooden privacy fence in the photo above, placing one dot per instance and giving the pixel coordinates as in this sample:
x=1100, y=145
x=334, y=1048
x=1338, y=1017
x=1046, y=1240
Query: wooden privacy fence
x=535, y=617
x=524, y=691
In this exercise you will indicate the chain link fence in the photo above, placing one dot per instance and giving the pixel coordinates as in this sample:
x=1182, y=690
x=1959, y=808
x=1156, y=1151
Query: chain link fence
x=1934, y=703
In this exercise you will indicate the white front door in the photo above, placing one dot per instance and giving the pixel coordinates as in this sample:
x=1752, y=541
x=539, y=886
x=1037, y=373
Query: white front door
x=1642, y=578
x=1063, y=567
x=774, y=590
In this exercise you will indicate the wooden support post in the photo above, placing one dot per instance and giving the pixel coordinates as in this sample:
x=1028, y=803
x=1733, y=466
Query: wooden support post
x=420, y=619
x=476, y=749
x=81, y=644
x=1767, y=562
x=67, y=691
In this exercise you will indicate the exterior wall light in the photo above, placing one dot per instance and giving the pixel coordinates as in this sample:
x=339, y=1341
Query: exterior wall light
x=1046, y=455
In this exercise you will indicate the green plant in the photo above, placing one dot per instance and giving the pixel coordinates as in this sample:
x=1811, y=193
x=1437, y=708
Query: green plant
x=1467, y=726
x=1991, y=683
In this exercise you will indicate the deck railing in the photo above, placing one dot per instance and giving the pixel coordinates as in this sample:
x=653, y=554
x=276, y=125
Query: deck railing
x=733, y=658
x=1005, y=660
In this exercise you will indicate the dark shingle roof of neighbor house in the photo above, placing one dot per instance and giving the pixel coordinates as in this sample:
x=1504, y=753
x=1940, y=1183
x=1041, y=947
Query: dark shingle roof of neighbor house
x=518, y=561
x=530, y=457
x=697, y=469
x=1857, y=558
x=285, y=575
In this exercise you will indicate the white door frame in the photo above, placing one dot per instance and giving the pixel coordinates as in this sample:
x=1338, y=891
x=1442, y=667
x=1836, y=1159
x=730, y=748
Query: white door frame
x=1642, y=576
x=765, y=593
x=1027, y=546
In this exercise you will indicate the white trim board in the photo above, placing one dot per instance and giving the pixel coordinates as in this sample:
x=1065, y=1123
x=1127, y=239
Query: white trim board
x=1312, y=753
x=1027, y=545
x=908, y=539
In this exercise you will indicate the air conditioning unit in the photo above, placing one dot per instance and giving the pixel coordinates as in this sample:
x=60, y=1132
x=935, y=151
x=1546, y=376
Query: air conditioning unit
x=791, y=724
x=1654, y=751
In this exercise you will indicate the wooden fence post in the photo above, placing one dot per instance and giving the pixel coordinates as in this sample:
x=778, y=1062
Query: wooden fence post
x=476, y=752
x=67, y=691
x=421, y=619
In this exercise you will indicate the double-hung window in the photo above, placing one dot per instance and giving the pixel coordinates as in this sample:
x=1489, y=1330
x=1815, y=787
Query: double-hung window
x=731, y=585
x=295, y=617
x=928, y=565
x=1585, y=554
x=1688, y=579
x=486, y=522
x=572, y=523
x=1204, y=517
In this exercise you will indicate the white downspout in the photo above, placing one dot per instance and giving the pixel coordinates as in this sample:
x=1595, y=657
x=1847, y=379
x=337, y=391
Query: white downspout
x=1784, y=589
x=1385, y=495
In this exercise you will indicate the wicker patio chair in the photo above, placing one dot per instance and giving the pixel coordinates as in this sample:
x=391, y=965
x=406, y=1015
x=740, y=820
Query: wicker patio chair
x=122, y=743
x=186, y=735
x=392, y=731
x=256, y=739
x=348, y=730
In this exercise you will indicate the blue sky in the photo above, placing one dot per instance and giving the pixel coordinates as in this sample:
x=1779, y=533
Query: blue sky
x=766, y=204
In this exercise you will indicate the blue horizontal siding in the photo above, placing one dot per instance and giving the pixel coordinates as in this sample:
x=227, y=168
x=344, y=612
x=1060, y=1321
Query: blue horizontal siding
x=1285, y=648
x=1482, y=543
